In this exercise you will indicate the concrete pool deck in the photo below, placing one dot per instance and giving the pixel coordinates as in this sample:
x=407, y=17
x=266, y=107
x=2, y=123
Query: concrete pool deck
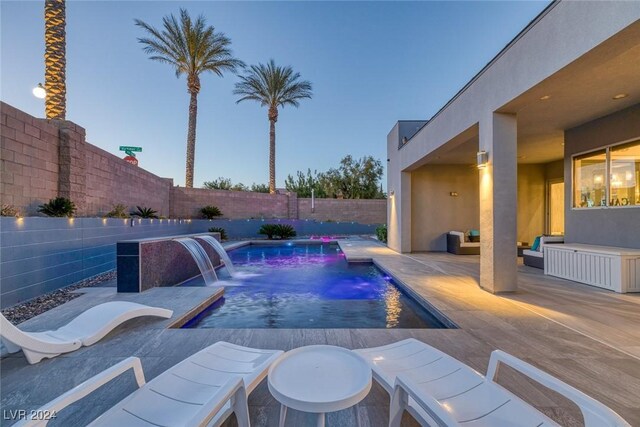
x=486, y=322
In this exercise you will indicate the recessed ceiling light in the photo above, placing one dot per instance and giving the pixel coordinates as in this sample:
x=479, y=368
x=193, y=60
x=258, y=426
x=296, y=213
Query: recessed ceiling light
x=620, y=96
x=544, y=98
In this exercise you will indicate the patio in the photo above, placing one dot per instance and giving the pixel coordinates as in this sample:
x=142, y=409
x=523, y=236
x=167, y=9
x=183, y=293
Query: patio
x=549, y=323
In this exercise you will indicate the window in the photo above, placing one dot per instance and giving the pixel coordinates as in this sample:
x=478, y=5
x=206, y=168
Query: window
x=625, y=175
x=589, y=180
x=607, y=177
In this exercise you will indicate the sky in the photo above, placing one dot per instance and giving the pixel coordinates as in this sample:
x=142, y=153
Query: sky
x=371, y=64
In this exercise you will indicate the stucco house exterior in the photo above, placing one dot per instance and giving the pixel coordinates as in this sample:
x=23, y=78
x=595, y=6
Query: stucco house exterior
x=543, y=140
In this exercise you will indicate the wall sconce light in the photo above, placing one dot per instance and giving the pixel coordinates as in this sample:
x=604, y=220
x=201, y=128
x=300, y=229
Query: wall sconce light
x=392, y=193
x=482, y=158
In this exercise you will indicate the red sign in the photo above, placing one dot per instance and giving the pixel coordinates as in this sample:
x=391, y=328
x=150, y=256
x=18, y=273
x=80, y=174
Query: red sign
x=132, y=160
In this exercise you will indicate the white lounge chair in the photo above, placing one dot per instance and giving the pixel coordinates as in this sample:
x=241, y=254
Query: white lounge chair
x=438, y=390
x=202, y=390
x=86, y=329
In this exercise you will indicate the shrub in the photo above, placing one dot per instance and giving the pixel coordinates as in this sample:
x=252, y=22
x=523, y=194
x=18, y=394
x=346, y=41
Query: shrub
x=118, y=211
x=381, y=232
x=259, y=188
x=281, y=231
x=144, y=212
x=222, y=231
x=210, y=212
x=58, y=207
x=9, y=210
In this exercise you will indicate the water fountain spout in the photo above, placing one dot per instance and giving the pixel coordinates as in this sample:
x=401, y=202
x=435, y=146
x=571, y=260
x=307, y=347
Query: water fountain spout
x=217, y=246
x=201, y=258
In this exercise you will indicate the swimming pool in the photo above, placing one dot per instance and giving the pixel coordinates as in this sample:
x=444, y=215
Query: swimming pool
x=309, y=286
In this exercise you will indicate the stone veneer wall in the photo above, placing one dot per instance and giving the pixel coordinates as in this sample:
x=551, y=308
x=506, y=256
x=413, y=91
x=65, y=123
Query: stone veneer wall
x=41, y=160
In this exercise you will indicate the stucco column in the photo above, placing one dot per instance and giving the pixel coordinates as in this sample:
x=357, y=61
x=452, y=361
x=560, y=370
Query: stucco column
x=399, y=214
x=498, y=203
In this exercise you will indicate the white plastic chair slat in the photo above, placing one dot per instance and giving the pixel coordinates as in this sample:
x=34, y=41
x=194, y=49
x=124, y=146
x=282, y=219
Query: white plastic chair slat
x=237, y=353
x=200, y=375
x=429, y=371
x=183, y=390
x=158, y=409
x=240, y=370
x=413, y=361
x=455, y=384
x=476, y=403
x=512, y=414
x=121, y=418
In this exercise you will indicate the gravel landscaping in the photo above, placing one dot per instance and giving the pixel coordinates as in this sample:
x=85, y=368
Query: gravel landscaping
x=26, y=310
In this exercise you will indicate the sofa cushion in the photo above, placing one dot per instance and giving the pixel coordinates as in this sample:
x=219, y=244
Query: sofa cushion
x=529, y=252
x=536, y=244
x=459, y=234
x=470, y=244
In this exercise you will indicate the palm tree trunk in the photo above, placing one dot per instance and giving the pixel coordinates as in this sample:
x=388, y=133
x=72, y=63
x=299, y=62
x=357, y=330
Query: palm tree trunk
x=55, y=59
x=191, y=138
x=272, y=156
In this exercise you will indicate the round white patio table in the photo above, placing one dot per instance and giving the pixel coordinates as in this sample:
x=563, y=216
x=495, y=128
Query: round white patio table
x=318, y=379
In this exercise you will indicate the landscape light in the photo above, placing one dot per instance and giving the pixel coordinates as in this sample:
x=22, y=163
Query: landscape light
x=39, y=91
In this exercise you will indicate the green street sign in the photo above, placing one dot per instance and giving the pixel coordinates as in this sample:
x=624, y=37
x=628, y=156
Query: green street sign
x=132, y=149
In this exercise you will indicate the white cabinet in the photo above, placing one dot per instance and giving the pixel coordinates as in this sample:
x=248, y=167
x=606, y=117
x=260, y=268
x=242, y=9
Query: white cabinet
x=617, y=269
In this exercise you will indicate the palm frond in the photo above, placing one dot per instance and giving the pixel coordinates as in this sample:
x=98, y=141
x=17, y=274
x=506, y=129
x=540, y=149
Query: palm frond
x=272, y=85
x=190, y=46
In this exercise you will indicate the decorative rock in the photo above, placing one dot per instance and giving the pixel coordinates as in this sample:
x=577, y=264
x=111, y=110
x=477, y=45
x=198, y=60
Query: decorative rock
x=26, y=310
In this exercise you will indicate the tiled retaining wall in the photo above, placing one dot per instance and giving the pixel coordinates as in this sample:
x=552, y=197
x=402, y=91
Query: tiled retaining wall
x=38, y=255
x=40, y=161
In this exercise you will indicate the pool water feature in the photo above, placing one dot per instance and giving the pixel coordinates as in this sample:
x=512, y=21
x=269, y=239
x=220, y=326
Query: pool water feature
x=217, y=246
x=310, y=286
x=201, y=258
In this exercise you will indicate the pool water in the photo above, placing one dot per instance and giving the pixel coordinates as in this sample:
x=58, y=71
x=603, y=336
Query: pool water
x=309, y=286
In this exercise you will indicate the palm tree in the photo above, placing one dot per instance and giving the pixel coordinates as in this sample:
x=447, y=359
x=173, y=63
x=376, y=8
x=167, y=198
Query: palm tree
x=272, y=86
x=191, y=48
x=55, y=59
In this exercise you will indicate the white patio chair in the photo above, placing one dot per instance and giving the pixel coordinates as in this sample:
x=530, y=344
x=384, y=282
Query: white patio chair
x=86, y=329
x=438, y=390
x=202, y=390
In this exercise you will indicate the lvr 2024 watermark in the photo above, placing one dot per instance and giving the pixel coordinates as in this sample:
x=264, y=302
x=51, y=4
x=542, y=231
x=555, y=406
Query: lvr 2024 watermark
x=23, y=414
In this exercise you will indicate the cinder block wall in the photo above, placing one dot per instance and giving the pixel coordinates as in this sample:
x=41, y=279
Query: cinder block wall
x=111, y=180
x=29, y=159
x=362, y=211
x=41, y=161
x=187, y=202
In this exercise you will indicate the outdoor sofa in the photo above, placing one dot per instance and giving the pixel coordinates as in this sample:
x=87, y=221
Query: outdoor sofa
x=457, y=245
x=534, y=257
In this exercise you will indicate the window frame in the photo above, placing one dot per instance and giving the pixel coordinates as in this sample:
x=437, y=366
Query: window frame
x=607, y=168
